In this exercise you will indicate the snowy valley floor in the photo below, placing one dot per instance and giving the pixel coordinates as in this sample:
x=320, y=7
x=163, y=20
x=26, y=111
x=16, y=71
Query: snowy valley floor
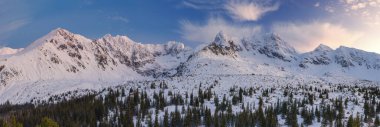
x=208, y=100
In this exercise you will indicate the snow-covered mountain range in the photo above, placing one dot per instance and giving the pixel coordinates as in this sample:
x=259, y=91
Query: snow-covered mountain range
x=62, y=61
x=270, y=55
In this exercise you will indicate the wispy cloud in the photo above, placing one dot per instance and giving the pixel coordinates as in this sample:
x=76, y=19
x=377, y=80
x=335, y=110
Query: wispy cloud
x=12, y=18
x=248, y=10
x=361, y=11
x=203, y=4
x=13, y=25
x=241, y=10
x=330, y=9
x=119, y=18
x=6, y=28
x=317, y=4
x=88, y=2
x=307, y=36
x=203, y=33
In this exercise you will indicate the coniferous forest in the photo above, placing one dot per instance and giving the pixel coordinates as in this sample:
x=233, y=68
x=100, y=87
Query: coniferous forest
x=157, y=104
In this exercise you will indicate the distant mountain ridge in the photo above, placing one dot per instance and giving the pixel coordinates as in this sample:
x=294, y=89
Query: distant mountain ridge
x=65, y=56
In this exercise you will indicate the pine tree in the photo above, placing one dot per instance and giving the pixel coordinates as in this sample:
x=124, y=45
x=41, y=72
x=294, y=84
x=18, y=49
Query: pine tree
x=150, y=122
x=340, y=110
x=129, y=114
x=240, y=95
x=153, y=86
x=357, y=121
x=166, y=119
x=156, y=121
x=271, y=117
x=138, y=124
x=235, y=100
x=311, y=99
x=13, y=123
x=223, y=120
x=47, y=122
x=229, y=110
x=372, y=113
x=191, y=99
x=284, y=109
x=188, y=118
x=366, y=110
x=216, y=101
x=200, y=95
x=306, y=117
x=3, y=123
x=318, y=114
x=216, y=119
x=339, y=123
x=377, y=121
x=350, y=122
x=176, y=119
x=261, y=117
x=208, y=117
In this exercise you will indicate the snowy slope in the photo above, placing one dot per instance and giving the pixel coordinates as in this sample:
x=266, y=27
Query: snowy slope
x=342, y=62
x=229, y=56
x=62, y=61
x=272, y=56
x=62, y=57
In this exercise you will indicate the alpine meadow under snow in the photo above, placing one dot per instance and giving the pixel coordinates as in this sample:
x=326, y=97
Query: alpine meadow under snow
x=243, y=74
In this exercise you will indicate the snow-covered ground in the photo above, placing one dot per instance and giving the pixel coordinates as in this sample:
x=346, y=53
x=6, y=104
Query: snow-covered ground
x=229, y=85
x=61, y=62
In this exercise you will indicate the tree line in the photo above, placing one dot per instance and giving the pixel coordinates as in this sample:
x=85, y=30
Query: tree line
x=159, y=106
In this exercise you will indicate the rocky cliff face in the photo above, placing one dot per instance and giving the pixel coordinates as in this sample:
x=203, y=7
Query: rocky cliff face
x=343, y=56
x=63, y=61
x=223, y=45
x=62, y=54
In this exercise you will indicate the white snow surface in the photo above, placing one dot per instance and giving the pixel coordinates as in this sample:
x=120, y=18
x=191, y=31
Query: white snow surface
x=62, y=61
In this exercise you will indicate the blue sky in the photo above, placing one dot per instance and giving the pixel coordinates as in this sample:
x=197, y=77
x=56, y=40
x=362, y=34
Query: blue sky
x=303, y=23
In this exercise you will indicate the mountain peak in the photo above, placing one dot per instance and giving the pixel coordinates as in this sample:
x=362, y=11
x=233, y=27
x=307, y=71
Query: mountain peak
x=55, y=36
x=59, y=29
x=61, y=32
x=344, y=47
x=221, y=38
x=274, y=39
x=107, y=36
x=116, y=39
x=274, y=36
x=323, y=47
x=220, y=34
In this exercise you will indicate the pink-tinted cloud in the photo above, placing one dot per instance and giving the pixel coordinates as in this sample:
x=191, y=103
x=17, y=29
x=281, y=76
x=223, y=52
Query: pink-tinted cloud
x=307, y=36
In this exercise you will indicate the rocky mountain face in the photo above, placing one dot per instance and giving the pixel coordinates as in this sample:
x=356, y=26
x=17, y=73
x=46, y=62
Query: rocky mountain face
x=320, y=56
x=343, y=56
x=223, y=45
x=136, y=55
x=270, y=55
x=64, y=56
x=270, y=45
